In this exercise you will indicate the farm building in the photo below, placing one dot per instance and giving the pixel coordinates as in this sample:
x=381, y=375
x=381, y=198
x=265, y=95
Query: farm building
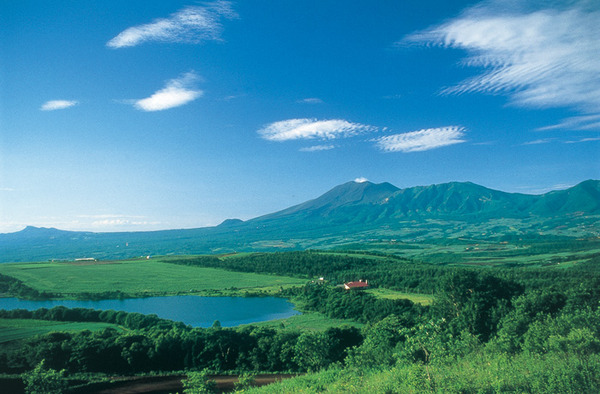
x=361, y=284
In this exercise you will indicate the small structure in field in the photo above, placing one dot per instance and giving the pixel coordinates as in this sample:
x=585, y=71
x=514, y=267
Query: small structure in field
x=361, y=284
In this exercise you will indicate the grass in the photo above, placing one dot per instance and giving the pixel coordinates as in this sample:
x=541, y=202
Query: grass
x=309, y=321
x=423, y=299
x=141, y=277
x=14, y=329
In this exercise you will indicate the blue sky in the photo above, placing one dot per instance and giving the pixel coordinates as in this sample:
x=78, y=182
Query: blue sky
x=143, y=115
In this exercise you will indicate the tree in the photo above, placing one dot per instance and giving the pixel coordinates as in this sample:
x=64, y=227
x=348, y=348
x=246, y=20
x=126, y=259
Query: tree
x=198, y=383
x=245, y=381
x=43, y=380
x=312, y=351
x=474, y=302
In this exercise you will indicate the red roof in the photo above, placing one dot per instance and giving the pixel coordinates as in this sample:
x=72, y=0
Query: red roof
x=354, y=285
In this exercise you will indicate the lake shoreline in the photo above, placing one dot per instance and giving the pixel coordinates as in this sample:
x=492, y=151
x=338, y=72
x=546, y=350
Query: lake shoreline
x=197, y=311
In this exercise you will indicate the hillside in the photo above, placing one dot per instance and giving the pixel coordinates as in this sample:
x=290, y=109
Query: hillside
x=347, y=214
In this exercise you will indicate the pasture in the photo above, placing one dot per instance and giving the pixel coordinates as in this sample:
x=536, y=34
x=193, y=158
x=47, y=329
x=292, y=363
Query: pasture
x=14, y=329
x=140, y=277
x=423, y=299
x=308, y=321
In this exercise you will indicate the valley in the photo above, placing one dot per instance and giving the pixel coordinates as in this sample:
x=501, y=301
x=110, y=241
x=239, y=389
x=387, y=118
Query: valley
x=469, y=290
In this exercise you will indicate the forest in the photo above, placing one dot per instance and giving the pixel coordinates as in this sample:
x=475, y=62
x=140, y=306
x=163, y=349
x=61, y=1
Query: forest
x=510, y=329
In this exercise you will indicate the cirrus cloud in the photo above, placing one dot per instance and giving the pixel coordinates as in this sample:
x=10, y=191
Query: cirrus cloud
x=317, y=148
x=542, y=54
x=421, y=140
x=191, y=24
x=177, y=92
x=53, y=105
x=293, y=129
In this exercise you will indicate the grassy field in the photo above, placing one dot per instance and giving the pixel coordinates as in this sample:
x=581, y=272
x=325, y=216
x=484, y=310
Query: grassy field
x=422, y=299
x=141, y=277
x=308, y=321
x=470, y=252
x=13, y=329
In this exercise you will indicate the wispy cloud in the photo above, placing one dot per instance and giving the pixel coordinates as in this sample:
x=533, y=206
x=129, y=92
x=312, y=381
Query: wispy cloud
x=311, y=100
x=590, y=139
x=543, y=190
x=542, y=54
x=539, y=142
x=317, y=148
x=112, y=220
x=294, y=129
x=421, y=140
x=361, y=179
x=177, y=92
x=191, y=24
x=53, y=105
x=585, y=122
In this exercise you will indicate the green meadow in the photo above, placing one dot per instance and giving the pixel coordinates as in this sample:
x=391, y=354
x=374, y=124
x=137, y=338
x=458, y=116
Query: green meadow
x=14, y=329
x=309, y=321
x=141, y=277
x=423, y=299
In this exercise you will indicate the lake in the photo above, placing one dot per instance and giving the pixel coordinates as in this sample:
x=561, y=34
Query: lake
x=192, y=310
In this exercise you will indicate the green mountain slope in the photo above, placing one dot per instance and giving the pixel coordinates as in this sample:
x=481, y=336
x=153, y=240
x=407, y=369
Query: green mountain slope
x=347, y=213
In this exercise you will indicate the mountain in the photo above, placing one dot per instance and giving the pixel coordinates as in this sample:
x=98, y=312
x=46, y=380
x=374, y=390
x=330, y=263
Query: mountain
x=348, y=213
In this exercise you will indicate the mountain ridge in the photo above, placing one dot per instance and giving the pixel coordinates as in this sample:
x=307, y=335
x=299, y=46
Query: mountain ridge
x=346, y=211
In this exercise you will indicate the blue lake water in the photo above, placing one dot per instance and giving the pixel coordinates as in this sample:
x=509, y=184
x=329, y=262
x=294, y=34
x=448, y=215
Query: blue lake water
x=192, y=310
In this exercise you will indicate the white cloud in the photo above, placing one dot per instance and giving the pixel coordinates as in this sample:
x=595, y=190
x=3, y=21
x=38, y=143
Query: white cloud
x=191, y=24
x=105, y=221
x=540, y=141
x=543, y=190
x=586, y=122
x=362, y=179
x=317, y=148
x=421, y=140
x=542, y=54
x=57, y=104
x=294, y=129
x=591, y=139
x=177, y=92
x=311, y=100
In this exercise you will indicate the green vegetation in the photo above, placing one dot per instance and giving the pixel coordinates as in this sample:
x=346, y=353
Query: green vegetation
x=198, y=383
x=509, y=328
x=479, y=372
x=309, y=321
x=14, y=329
x=43, y=380
x=422, y=299
x=139, y=277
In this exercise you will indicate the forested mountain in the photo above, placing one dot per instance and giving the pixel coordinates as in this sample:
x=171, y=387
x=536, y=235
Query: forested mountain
x=348, y=213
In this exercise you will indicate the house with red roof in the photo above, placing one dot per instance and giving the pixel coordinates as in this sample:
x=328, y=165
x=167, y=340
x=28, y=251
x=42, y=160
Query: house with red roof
x=361, y=284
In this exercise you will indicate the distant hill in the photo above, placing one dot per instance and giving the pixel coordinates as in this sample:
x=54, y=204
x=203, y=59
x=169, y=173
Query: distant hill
x=348, y=213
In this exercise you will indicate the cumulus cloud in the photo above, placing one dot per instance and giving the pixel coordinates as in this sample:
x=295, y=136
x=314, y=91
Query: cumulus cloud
x=191, y=24
x=53, y=105
x=362, y=179
x=541, y=53
x=421, y=140
x=317, y=148
x=294, y=129
x=177, y=92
